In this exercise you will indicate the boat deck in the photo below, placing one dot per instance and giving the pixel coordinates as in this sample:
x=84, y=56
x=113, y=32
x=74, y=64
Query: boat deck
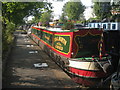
x=61, y=30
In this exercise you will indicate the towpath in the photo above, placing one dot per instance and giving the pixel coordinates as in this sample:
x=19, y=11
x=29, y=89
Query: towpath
x=21, y=72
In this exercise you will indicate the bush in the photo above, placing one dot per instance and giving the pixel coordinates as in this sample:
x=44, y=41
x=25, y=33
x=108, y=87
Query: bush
x=10, y=28
x=68, y=26
x=7, y=35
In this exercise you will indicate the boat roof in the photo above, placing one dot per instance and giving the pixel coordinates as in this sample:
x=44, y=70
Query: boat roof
x=61, y=30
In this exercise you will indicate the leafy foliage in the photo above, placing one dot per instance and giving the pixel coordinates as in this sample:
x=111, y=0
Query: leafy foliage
x=7, y=35
x=102, y=9
x=73, y=10
x=13, y=14
x=116, y=7
x=68, y=26
x=45, y=18
x=63, y=18
x=16, y=11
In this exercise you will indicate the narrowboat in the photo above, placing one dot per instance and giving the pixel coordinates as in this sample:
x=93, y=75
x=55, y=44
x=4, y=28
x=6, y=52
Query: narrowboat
x=80, y=52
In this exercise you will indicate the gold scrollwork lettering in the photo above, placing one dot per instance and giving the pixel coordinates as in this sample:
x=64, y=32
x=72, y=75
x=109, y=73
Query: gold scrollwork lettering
x=61, y=39
x=59, y=47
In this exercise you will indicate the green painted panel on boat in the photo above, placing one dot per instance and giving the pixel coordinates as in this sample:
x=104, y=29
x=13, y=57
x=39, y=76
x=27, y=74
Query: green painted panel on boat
x=47, y=37
x=62, y=43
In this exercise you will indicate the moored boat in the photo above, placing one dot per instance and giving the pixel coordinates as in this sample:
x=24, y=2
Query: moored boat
x=80, y=52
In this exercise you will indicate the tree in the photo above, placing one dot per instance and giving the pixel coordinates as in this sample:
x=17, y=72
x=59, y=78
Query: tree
x=82, y=17
x=116, y=8
x=116, y=5
x=63, y=18
x=16, y=11
x=73, y=9
x=45, y=18
x=102, y=9
x=13, y=14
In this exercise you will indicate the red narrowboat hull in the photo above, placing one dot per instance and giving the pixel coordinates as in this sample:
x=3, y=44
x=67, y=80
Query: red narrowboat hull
x=64, y=46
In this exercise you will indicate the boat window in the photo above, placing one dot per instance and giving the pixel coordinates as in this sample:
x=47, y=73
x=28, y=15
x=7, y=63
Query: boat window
x=104, y=26
x=98, y=26
x=90, y=25
x=94, y=25
x=113, y=26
